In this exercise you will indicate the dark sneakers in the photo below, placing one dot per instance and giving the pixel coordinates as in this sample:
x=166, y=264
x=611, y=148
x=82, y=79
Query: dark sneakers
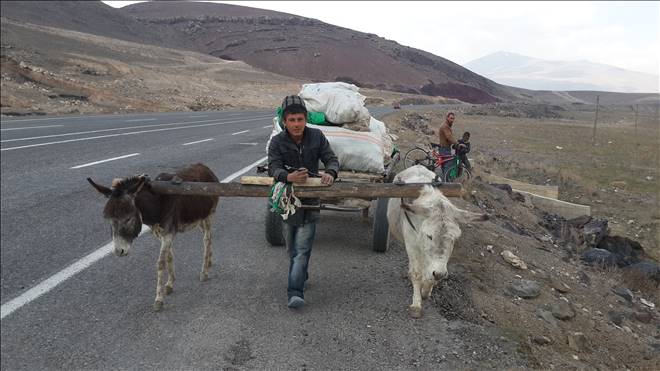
x=296, y=302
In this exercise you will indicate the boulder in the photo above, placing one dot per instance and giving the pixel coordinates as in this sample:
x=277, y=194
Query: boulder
x=645, y=269
x=625, y=250
x=624, y=293
x=594, y=231
x=526, y=289
x=598, y=256
x=562, y=310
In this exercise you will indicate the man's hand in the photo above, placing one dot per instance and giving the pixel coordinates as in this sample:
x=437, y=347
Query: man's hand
x=327, y=179
x=298, y=176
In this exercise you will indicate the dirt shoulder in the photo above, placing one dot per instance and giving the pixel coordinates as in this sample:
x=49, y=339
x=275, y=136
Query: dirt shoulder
x=564, y=313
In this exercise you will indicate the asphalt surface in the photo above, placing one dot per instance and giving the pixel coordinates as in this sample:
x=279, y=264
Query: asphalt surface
x=102, y=318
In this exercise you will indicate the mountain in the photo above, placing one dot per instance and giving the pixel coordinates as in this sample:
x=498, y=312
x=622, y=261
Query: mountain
x=277, y=42
x=538, y=74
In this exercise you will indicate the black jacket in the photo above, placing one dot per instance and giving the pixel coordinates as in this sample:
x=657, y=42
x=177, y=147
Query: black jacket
x=283, y=151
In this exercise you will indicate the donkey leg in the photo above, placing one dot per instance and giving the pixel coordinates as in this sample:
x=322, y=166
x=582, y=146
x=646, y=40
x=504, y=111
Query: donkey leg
x=169, y=286
x=208, y=252
x=165, y=245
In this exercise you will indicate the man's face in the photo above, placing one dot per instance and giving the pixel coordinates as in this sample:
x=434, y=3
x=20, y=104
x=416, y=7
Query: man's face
x=466, y=137
x=295, y=124
x=450, y=118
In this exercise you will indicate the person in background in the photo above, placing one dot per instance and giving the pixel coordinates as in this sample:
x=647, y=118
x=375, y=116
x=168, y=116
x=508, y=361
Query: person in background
x=462, y=148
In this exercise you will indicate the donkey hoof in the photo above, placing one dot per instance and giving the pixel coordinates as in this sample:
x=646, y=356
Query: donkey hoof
x=415, y=312
x=203, y=276
x=158, y=305
x=168, y=290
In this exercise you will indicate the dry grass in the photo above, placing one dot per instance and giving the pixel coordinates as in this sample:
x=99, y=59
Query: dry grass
x=618, y=176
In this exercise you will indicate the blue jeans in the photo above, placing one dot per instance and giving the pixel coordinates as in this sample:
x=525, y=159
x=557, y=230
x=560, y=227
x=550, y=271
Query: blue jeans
x=445, y=151
x=299, y=241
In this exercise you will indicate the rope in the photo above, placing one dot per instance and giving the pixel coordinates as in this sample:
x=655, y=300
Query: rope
x=282, y=200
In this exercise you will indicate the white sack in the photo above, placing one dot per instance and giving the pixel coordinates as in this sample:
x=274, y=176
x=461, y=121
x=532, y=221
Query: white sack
x=340, y=101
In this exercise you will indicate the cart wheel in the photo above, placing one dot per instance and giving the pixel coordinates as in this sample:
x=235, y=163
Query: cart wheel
x=381, y=228
x=274, y=229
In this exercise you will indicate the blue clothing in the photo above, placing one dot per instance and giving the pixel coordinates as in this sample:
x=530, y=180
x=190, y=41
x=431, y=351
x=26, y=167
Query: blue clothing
x=299, y=239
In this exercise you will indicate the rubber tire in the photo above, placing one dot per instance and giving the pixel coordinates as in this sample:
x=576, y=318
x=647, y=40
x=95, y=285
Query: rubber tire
x=381, y=228
x=426, y=161
x=467, y=175
x=274, y=229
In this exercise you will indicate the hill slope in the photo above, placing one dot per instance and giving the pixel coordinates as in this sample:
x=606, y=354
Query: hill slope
x=538, y=74
x=277, y=42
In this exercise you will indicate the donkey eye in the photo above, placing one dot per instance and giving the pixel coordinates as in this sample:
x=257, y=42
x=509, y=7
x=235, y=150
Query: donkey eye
x=430, y=237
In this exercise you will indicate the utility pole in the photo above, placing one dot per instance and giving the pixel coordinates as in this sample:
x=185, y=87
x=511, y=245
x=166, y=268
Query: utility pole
x=636, y=137
x=593, y=135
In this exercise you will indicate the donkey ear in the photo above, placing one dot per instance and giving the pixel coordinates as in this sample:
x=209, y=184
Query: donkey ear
x=103, y=190
x=134, y=190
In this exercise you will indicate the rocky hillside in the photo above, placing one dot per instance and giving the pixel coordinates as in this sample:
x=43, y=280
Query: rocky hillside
x=289, y=45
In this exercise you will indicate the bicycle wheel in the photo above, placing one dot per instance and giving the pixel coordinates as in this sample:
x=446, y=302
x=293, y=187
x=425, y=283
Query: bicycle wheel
x=460, y=172
x=417, y=156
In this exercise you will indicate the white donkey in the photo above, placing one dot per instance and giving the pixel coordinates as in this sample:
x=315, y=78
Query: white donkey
x=428, y=226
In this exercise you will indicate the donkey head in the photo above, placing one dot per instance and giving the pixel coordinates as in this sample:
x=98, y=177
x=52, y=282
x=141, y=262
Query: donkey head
x=125, y=218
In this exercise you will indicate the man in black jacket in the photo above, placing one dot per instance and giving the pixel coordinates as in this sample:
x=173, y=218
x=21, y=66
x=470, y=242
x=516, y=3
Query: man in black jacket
x=293, y=155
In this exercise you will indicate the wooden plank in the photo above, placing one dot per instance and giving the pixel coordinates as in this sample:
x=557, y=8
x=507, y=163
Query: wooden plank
x=268, y=181
x=337, y=190
x=566, y=209
x=541, y=190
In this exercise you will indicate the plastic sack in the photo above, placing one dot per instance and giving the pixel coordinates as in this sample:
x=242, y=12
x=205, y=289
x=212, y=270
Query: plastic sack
x=340, y=101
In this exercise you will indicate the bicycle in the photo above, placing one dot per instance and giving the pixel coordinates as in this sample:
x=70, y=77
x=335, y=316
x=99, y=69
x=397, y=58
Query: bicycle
x=455, y=171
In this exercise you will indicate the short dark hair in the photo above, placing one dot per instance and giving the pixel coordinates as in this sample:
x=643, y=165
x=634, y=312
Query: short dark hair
x=293, y=109
x=466, y=133
x=450, y=113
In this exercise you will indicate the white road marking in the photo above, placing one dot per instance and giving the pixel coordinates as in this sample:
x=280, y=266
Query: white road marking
x=59, y=277
x=240, y=132
x=243, y=170
x=131, y=133
x=104, y=130
x=199, y=116
x=32, y=127
x=80, y=265
x=136, y=120
x=249, y=144
x=197, y=141
x=102, y=161
x=59, y=118
x=267, y=127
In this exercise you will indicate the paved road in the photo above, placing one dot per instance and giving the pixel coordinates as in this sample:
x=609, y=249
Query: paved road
x=101, y=317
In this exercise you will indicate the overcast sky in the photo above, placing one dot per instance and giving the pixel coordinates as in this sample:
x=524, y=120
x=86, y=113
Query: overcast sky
x=622, y=34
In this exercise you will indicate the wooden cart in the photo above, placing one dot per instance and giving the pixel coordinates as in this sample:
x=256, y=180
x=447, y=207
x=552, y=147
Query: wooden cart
x=375, y=188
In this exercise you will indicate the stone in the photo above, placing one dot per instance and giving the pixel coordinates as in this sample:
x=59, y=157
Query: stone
x=624, y=293
x=541, y=340
x=625, y=250
x=598, y=256
x=562, y=310
x=526, y=289
x=643, y=316
x=512, y=259
x=577, y=341
x=560, y=286
x=546, y=316
x=616, y=317
x=646, y=269
x=594, y=231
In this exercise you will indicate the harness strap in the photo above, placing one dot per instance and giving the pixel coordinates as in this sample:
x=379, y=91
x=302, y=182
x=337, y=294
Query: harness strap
x=407, y=216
